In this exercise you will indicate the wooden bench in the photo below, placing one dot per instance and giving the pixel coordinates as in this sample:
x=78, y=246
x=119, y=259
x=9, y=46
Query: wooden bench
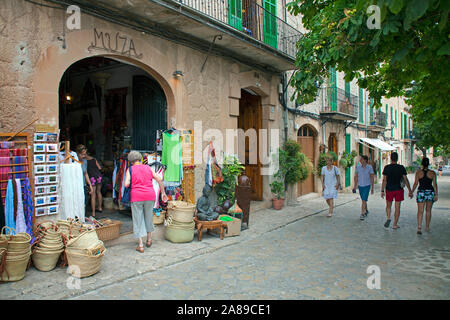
x=209, y=225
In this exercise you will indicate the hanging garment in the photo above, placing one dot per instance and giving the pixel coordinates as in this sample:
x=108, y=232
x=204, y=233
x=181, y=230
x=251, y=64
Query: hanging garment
x=114, y=180
x=20, y=160
x=122, y=182
x=28, y=207
x=4, y=172
x=171, y=157
x=2, y=214
x=14, y=182
x=156, y=187
x=72, y=191
x=9, y=206
x=21, y=225
x=6, y=144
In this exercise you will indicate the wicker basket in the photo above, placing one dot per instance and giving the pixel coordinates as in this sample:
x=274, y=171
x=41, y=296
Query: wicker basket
x=85, y=263
x=85, y=240
x=45, y=260
x=15, y=267
x=160, y=219
x=110, y=231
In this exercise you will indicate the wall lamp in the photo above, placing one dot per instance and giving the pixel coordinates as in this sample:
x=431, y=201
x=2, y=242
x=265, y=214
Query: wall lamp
x=178, y=74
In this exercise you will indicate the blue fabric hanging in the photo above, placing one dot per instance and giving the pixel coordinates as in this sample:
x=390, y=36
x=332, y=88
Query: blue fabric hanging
x=9, y=206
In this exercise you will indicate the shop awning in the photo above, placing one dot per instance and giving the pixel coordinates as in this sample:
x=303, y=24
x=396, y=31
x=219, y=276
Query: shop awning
x=377, y=143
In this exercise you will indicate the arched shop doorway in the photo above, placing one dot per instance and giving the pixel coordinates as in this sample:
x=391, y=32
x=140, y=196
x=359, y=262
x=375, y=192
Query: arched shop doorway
x=109, y=106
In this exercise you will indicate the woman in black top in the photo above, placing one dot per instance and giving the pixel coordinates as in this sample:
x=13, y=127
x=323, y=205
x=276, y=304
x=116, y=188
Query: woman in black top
x=95, y=176
x=427, y=193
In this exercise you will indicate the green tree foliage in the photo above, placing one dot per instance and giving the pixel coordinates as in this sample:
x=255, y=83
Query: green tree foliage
x=409, y=55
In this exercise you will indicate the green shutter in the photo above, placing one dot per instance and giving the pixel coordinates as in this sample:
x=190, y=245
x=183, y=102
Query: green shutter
x=401, y=124
x=392, y=128
x=332, y=91
x=347, y=90
x=235, y=14
x=396, y=118
x=270, y=22
x=371, y=112
x=361, y=106
x=347, y=149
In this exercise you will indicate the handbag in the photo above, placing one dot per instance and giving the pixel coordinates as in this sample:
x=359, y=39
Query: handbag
x=126, y=198
x=339, y=186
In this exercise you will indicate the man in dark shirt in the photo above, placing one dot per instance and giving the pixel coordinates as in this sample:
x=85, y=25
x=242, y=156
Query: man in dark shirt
x=393, y=174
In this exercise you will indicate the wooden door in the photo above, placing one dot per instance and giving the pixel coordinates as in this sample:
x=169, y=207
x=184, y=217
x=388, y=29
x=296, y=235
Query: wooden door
x=305, y=139
x=250, y=116
x=332, y=145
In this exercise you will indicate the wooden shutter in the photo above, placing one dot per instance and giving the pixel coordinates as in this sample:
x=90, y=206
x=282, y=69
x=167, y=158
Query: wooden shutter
x=270, y=22
x=361, y=106
x=332, y=91
x=235, y=14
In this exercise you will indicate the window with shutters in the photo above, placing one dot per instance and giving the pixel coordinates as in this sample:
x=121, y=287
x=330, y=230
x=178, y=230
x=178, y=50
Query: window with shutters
x=235, y=13
x=361, y=105
x=270, y=22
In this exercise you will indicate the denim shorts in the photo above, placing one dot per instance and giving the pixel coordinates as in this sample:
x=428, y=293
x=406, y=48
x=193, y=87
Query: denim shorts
x=364, y=192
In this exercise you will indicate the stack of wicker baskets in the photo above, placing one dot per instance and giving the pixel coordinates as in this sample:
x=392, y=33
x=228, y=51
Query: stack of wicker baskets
x=71, y=228
x=15, y=251
x=48, y=246
x=180, y=223
x=84, y=254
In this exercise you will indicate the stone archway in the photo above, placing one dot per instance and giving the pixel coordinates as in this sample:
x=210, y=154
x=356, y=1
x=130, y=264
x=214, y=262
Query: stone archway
x=55, y=61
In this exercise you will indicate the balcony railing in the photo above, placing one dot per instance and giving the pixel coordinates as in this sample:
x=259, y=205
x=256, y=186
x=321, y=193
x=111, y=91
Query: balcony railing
x=411, y=135
x=378, y=119
x=252, y=19
x=339, y=101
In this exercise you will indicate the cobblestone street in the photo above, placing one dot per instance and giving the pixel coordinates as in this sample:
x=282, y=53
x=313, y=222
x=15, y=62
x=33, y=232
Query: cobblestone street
x=314, y=258
x=295, y=253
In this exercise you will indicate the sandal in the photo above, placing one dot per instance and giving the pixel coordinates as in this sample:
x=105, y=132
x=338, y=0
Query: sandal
x=140, y=249
x=387, y=223
x=329, y=215
x=149, y=243
x=419, y=232
x=396, y=227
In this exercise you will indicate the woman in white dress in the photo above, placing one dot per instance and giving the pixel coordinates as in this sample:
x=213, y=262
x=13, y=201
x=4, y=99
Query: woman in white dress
x=330, y=178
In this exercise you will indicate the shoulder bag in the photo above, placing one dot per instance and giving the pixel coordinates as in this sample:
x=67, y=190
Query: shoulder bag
x=339, y=186
x=126, y=198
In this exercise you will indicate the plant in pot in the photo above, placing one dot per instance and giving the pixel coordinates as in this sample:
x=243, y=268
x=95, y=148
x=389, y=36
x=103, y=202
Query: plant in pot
x=278, y=190
x=231, y=170
x=294, y=166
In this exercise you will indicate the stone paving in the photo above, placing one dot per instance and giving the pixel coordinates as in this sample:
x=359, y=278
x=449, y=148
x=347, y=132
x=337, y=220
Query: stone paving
x=295, y=253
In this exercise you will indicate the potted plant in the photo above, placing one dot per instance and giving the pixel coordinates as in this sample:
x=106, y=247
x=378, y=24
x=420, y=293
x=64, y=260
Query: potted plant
x=231, y=170
x=278, y=190
x=294, y=166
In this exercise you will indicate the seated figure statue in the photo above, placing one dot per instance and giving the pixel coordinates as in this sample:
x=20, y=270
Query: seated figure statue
x=205, y=212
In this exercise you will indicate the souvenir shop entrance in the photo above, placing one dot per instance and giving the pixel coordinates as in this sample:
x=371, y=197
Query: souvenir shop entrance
x=111, y=107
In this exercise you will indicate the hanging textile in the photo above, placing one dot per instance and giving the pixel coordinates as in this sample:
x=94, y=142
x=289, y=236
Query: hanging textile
x=28, y=207
x=6, y=144
x=15, y=195
x=4, y=172
x=156, y=187
x=20, y=160
x=21, y=226
x=9, y=206
x=114, y=180
x=2, y=214
x=72, y=191
x=171, y=157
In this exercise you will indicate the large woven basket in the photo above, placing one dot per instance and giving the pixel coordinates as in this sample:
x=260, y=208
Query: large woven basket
x=85, y=240
x=45, y=260
x=16, y=243
x=15, y=267
x=181, y=211
x=86, y=264
x=110, y=231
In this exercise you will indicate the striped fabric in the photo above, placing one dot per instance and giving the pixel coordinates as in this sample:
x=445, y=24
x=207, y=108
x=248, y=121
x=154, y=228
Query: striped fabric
x=28, y=207
x=21, y=226
x=4, y=173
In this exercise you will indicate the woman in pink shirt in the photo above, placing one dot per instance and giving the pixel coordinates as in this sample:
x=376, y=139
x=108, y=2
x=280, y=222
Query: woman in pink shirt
x=143, y=197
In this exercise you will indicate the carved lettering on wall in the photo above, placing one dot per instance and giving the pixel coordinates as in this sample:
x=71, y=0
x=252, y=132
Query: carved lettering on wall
x=114, y=44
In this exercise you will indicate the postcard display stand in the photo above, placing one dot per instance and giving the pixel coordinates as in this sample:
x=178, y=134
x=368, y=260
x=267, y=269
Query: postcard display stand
x=14, y=170
x=46, y=173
